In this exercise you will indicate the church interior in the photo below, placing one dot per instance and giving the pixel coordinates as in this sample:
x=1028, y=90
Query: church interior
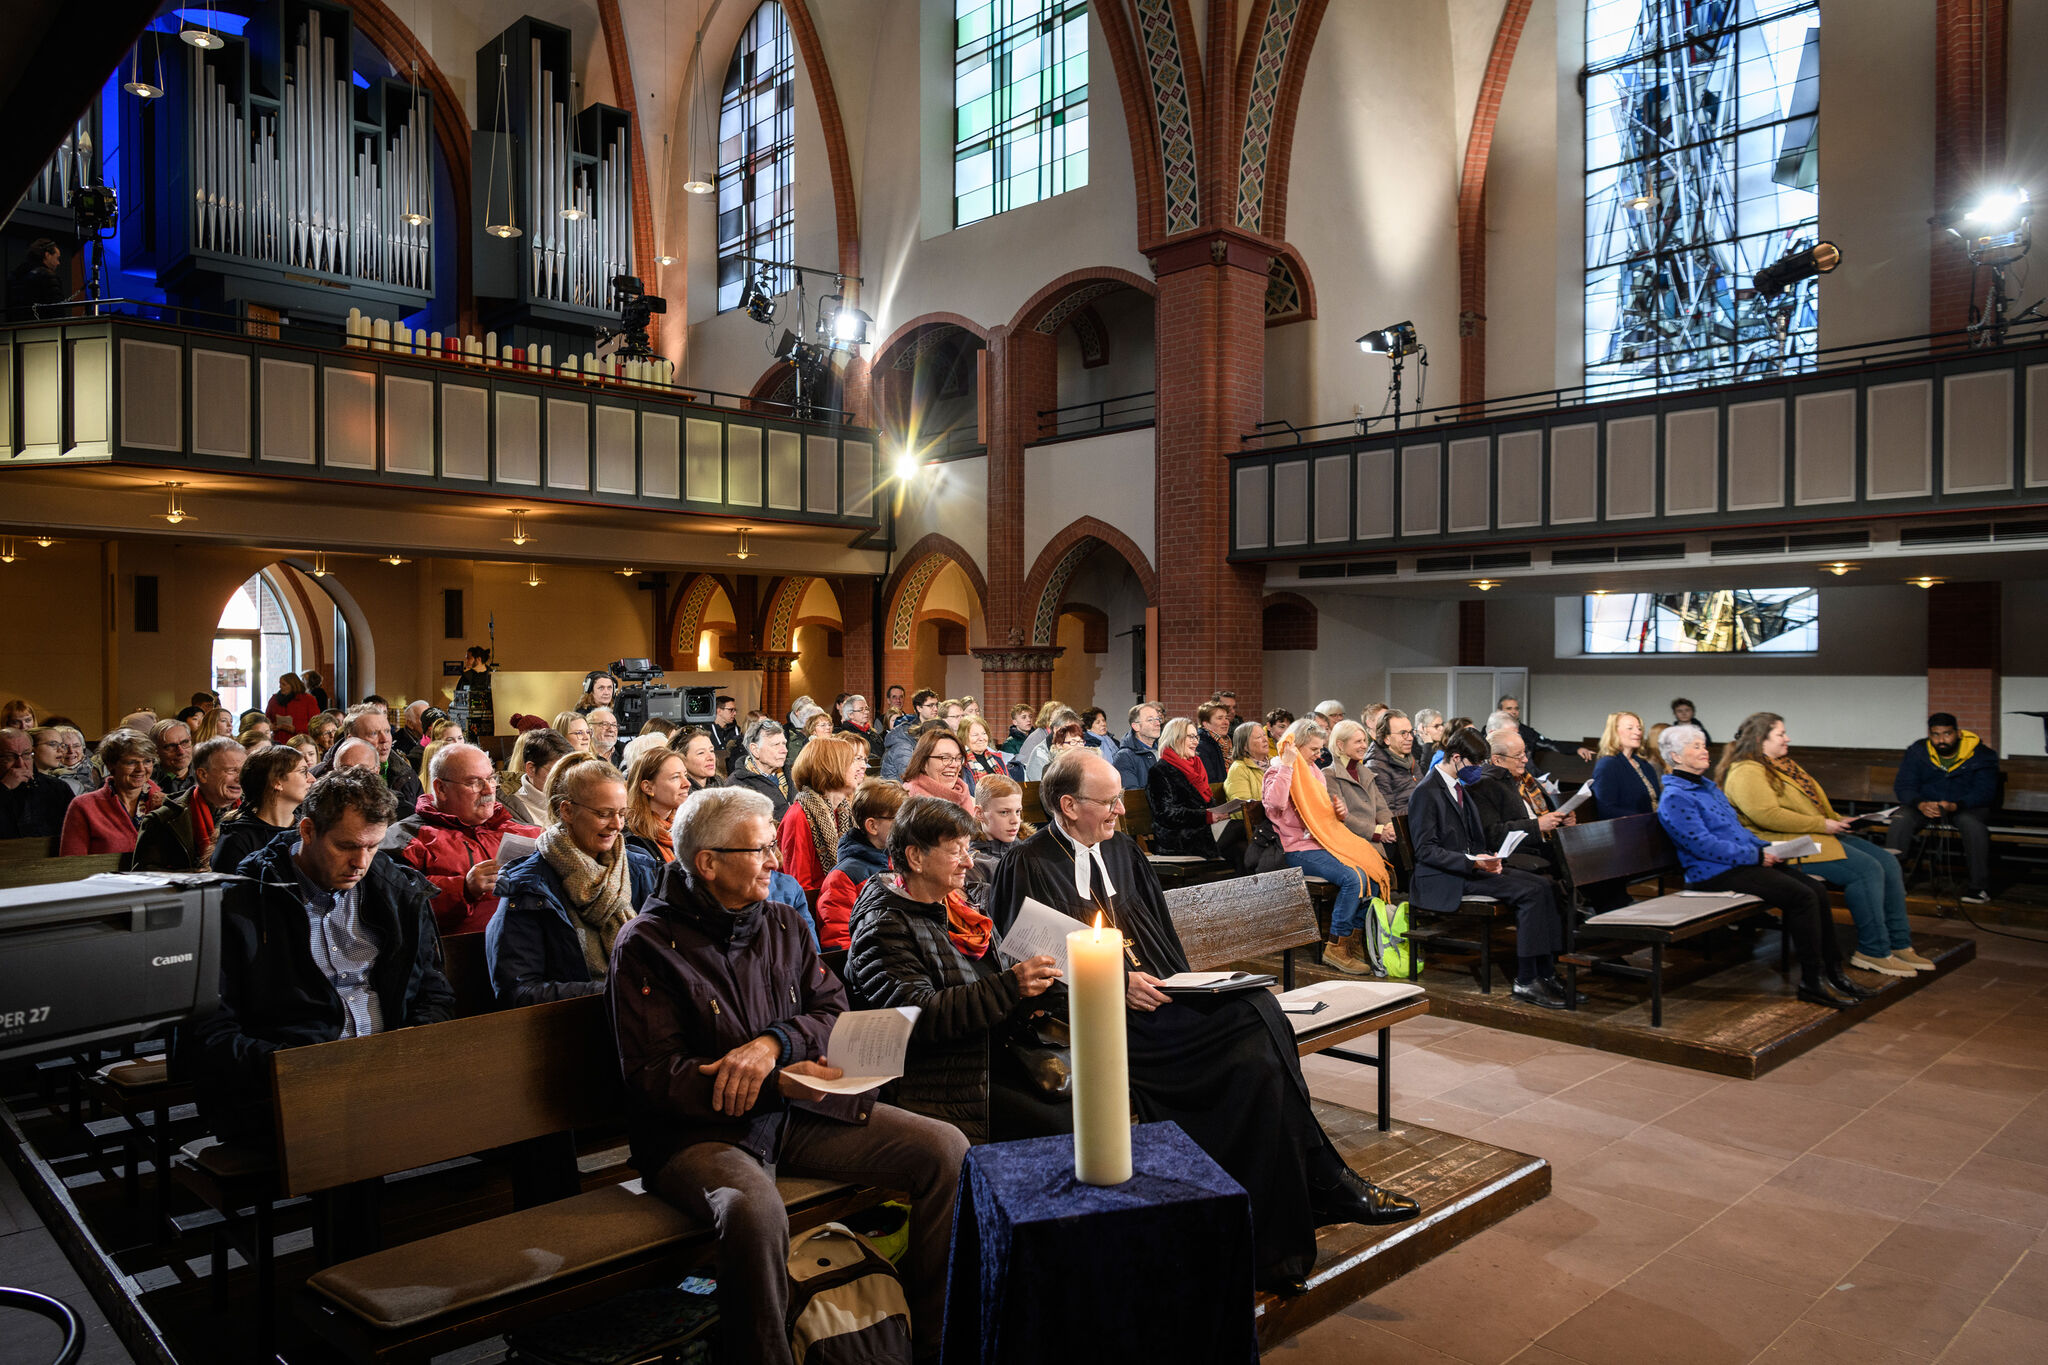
x=1389, y=422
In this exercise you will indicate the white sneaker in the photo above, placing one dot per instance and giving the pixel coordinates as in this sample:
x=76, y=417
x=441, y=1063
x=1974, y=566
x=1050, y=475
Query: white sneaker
x=1976, y=898
x=1886, y=965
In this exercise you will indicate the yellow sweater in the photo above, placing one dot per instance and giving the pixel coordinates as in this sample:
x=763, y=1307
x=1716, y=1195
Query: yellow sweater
x=1244, y=782
x=1781, y=813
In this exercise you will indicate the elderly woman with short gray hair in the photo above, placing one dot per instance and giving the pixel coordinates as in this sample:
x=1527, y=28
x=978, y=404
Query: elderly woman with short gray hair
x=1719, y=854
x=107, y=819
x=765, y=766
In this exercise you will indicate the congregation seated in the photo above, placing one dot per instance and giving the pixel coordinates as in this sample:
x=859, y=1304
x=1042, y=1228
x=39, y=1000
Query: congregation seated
x=292, y=707
x=1453, y=859
x=1429, y=737
x=17, y=714
x=1178, y=791
x=1224, y=1067
x=1314, y=837
x=1214, y=719
x=1095, y=732
x=1054, y=719
x=1779, y=799
x=534, y=755
x=761, y=769
x=1392, y=759
x=1951, y=775
x=561, y=907
x=217, y=721
x=1719, y=853
x=1138, y=750
x=1251, y=751
x=983, y=758
x=324, y=730
x=655, y=787
x=32, y=804
x=1683, y=712
x=1625, y=782
x=1354, y=786
x=179, y=835
x=174, y=757
x=409, y=736
x=901, y=740
x=918, y=942
x=699, y=748
x=274, y=783
x=825, y=776
x=1022, y=721
x=325, y=938
x=60, y=753
x=1328, y=714
x=604, y=733
x=106, y=819
x=862, y=853
x=1002, y=828
x=856, y=718
x=714, y=1052
x=1536, y=740
x=572, y=726
x=937, y=768
x=370, y=722
x=453, y=837
x=350, y=753
x=1510, y=799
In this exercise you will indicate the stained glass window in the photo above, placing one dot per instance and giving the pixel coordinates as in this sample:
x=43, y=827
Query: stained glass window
x=757, y=156
x=1020, y=103
x=1701, y=121
x=1721, y=621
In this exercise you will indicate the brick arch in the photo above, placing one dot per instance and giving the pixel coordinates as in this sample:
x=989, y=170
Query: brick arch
x=1290, y=290
x=885, y=354
x=1141, y=123
x=904, y=594
x=1472, y=205
x=1279, y=159
x=1050, y=307
x=779, y=621
x=1062, y=555
x=1174, y=83
x=1287, y=620
x=686, y=617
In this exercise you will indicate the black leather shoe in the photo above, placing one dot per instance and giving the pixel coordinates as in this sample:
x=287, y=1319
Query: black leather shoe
x=1571, y=997
x=1354, y=1199
x=1820, y=995
x=1839, y=982
x=1542, y=993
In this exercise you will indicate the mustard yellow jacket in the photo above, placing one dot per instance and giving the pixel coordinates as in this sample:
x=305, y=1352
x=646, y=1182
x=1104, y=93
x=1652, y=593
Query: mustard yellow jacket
x=1783, y=812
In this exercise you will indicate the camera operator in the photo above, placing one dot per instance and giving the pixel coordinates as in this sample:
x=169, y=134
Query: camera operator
x=599, y=688
x=35, y=284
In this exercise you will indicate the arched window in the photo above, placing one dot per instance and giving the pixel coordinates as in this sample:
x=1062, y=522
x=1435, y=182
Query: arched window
x=253, y=646
x=1700, y=171
x=757, y=156
x=1020, y=103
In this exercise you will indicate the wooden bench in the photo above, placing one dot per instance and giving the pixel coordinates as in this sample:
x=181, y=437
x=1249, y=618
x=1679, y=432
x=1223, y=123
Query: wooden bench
x=1635, y=848
x=35, y=862
x=1249, y=917
x=366, y=1108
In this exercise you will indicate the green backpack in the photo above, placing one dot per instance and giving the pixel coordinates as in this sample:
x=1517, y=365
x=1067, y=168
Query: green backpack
x=1391, y=953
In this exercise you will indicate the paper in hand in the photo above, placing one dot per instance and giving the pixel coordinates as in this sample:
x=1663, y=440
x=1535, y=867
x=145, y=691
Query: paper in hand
x=1876, y=817
x=1508, y=845
x=1039, y=931
x=1579, y=798
x=1802, y=847
x=513, y=847
x=868, y=1046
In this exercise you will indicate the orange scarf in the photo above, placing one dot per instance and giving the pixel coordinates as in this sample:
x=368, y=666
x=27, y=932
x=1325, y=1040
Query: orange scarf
x=1312, y=803
x=967, y=927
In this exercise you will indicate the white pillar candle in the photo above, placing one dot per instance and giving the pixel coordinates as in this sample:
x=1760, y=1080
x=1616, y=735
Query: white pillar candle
x=380, y=334
x=547, y=357
x=355, y=328
x=401, y=338
x=1102, y=1089
x=490, y=348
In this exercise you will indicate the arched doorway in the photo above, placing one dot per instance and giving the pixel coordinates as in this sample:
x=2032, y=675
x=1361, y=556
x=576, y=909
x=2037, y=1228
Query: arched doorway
x=255, y=643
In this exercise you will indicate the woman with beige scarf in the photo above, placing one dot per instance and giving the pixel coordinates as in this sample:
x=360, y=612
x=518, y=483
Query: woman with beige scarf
x=563, y=905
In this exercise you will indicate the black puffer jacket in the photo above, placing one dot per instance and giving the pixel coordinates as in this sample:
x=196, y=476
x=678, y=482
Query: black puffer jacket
x=1180, y=814
x=902, y=955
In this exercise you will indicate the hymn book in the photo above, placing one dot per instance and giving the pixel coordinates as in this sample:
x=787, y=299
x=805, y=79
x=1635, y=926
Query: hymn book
x=868, y=1045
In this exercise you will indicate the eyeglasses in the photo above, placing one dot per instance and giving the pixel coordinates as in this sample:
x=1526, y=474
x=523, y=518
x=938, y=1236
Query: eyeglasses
x=607, y=815
x=772, y=852
x=1114, y=803
x=479, y=785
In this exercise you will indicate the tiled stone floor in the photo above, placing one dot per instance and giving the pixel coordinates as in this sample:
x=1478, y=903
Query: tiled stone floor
x=1883, y=1199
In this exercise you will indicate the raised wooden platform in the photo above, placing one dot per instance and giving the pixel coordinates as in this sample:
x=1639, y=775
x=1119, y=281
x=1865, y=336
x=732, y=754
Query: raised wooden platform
x=1741, y=1020
x=1463, y=1185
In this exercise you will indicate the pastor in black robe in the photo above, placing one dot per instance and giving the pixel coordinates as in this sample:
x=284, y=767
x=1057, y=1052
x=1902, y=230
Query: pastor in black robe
x=1223, y=1067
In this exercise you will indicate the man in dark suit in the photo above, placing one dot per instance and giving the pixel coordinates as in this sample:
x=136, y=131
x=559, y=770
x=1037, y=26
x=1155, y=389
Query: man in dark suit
x=1451, y=847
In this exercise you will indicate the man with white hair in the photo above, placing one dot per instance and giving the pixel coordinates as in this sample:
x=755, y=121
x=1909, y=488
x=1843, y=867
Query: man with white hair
x=1330, y=713
x=352, y=753
x=452, y=837
x=370, y=721
x=721, y=1009
x=1511, y=707
x=411, y=735
x=179, y=835
x=1204, y=1062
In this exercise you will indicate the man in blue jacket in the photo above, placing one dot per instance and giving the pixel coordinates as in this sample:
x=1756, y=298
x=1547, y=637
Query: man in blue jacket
x=1952, y=776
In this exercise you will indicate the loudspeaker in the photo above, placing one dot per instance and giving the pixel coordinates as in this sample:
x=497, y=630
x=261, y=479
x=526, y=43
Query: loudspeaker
x=145, y=603
x=451, y=613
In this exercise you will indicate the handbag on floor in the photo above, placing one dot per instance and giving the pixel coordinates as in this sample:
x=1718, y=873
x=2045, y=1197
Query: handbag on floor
x=1387, y=940
x=846, y=1305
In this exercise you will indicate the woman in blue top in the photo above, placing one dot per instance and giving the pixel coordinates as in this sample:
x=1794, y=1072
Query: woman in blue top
x=1718, y=854
x=1624, y=782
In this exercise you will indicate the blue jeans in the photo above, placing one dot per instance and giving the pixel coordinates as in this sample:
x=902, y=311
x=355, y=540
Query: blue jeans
x=1876, y=889
x=1350, y=886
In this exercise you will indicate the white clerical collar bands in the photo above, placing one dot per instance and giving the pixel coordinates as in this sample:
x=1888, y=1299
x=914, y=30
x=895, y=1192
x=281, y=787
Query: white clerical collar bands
x=1086, y=857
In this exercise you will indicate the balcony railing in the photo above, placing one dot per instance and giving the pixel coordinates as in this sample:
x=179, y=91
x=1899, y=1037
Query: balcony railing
x=121, y=390
x=1924, y=424
x=1104, y=414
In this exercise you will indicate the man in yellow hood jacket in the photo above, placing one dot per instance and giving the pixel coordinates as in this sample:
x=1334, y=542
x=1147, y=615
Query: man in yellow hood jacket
x=1951, y=775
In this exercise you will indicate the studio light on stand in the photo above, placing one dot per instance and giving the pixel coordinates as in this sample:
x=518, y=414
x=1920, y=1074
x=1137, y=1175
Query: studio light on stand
x=1787, y=271
x=1396, y=343
x=839, y=327
x=1997, y=230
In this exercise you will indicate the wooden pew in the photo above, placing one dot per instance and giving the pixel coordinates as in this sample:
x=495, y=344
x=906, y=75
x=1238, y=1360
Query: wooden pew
x=34, y=862
x=365, y=1108
x=1249, y=917
x=1636, y=848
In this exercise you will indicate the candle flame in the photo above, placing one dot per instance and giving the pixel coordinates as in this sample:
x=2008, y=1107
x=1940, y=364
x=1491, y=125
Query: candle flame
x=1098, y=926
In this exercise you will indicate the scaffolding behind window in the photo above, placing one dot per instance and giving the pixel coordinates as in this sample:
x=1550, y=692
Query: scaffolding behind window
x=1720, y=621
x=757, y=156
x=1701, y=120
x=1020, y=103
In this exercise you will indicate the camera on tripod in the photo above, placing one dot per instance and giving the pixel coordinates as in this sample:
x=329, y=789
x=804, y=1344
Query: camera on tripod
x=643, y=696
x=637, y=307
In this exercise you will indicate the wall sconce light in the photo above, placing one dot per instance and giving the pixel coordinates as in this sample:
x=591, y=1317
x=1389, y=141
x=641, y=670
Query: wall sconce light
x=1484, y=584
x=320, y=564
x=533, y=578
x=7, y=551
x=175, y=515
x=519, y=536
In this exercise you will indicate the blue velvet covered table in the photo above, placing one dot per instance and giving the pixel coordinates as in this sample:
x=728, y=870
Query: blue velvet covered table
x=1046, y=1269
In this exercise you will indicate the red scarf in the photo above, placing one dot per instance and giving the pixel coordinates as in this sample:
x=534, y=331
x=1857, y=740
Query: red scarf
x=1190, y=768
x=202, y=828
x=956, y=791
x=969, y=929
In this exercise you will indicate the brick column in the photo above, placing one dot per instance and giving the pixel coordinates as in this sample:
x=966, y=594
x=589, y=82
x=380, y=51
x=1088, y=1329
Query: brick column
x=1969, y=138
x=774, y=666
x=1472, y=634
x=1015, y=677
x=1211, y=390
x=1023, y=379
x=1965, y=651
x=856, y=595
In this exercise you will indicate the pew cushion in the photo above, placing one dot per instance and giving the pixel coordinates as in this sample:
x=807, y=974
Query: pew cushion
x=228, y=1160
x=519, y=1252
x=135, y=1075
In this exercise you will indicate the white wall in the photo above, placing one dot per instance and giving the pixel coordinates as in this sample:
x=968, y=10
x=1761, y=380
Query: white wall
x=952, y=499
x=1105, y=477
x=1358, y=638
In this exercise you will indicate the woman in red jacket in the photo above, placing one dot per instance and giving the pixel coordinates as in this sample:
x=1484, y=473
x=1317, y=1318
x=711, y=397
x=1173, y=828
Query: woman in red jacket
x=293, y=707
x=824, y=775
x=106, y=820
